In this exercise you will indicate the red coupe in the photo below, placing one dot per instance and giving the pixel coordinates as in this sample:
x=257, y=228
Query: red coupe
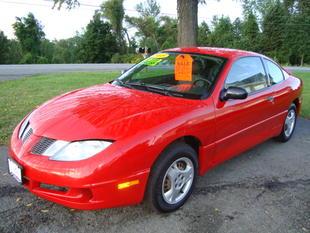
x=151, y=132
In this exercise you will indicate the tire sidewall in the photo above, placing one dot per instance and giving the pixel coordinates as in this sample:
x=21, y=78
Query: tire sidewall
x=174, y=153
x=284, y=136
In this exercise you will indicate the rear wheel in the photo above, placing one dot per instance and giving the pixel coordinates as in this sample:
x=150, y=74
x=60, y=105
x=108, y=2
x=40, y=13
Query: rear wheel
x=289, y=125
x=172, y=178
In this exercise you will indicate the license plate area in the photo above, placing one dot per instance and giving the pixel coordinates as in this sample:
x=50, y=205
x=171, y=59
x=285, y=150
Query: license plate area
x=15, y=170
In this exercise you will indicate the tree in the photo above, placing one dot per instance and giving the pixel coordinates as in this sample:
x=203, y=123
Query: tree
x=298, y=31
x=250, y=33
x=67, y=50
x=113, y=11
x=167, y=32
x=188, y=22
x=147, y=24
x=274, y=31
x=3, y=48
x=70, y=3
x=47, y=51
x=223, y=33
x=98, y=43
x=187, y=19
x=237, y=33
x=203, y=34
x=29, y=33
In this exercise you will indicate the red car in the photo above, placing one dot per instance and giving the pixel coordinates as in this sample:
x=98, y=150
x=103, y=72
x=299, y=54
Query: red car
x=151, y=132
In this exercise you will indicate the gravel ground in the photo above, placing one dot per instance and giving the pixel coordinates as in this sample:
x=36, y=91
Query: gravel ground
x=266, y=189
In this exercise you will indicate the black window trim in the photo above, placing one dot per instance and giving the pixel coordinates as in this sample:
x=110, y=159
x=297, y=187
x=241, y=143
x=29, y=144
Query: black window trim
x=266, y=76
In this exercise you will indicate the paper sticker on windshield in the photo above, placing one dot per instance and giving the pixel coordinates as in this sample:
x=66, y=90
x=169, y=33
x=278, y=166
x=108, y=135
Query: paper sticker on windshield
x=160, y=55
x=151, y=61
x=183, y=67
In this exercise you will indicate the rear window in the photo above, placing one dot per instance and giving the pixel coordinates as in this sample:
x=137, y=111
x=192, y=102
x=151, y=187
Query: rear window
x=275, y=72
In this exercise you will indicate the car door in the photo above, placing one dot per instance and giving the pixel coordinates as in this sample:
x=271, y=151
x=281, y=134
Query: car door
x=280, y=92
x=240, y=124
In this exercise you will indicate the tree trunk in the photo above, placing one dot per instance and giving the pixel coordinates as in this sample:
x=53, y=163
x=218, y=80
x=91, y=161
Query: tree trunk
x=128, y=39
x=302, y=60
x=188, y=22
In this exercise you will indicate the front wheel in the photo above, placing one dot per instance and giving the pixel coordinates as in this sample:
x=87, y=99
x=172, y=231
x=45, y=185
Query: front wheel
x=289, y=125
x=173, y=178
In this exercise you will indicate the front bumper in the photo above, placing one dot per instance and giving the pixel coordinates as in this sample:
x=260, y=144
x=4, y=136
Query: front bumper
x=80, y=187
x=99, y=196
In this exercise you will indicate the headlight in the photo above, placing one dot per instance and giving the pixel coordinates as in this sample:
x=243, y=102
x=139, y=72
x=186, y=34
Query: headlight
x=74, y=151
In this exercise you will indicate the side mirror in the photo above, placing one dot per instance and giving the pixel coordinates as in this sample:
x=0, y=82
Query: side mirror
x=233, y=93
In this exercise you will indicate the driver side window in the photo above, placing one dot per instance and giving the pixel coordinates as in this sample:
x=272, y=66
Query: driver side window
x=247, y=73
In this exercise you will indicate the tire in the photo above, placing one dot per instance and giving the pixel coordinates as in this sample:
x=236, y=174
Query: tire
x=288, y=125
x=172, y=178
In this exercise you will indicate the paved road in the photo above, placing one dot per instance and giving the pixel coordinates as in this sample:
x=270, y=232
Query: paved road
x=9, y=72
x=297, y=68
x=266, y=189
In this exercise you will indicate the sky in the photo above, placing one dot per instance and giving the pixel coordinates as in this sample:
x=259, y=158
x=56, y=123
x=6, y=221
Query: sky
x=62, y=24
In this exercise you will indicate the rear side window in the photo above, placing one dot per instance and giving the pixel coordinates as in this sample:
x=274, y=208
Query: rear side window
x=275, y=73
x=248, y=73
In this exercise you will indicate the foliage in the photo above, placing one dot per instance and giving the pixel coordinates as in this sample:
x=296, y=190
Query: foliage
x=3, y=48
x=273, y=35
x=14, y=54
x=222, y=34
x=113, y=11
x=29, y=33
x=250, y=35
x=67, y=51
x=126, y=58
x=147, y=24
x=203, y=34
x=98, y=44
x=69, y=3
x=277, y=28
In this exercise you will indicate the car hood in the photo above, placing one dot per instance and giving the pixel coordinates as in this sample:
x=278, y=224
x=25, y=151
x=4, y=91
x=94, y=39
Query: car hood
x=105, y=112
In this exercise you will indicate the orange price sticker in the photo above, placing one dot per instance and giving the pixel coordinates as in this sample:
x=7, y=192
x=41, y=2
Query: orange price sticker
x=183, y=67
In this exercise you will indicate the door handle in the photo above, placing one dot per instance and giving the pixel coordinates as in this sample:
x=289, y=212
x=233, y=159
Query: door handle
x=270, y=99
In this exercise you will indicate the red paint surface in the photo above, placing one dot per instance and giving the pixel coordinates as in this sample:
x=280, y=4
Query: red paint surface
x=142, y=125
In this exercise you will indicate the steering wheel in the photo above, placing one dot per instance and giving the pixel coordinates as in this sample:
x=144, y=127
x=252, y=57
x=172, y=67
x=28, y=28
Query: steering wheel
x=201, y=82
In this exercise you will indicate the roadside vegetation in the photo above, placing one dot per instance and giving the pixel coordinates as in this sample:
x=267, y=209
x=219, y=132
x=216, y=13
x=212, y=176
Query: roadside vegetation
x=277, y=28
x=305, y=109
x=18, y=97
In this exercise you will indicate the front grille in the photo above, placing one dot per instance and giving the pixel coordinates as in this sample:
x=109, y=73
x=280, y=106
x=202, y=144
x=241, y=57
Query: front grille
x=42, y=145
x=27, y=134
x=25, y=131
x=53, y=187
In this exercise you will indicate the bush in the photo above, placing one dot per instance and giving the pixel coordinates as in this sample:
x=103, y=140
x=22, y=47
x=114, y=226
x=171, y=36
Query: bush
x=42, y=60
x=126, y=58
x=27, y=59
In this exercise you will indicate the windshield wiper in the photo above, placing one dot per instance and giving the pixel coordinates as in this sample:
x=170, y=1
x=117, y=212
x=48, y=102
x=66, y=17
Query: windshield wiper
x=156, y=89
x=123, y=83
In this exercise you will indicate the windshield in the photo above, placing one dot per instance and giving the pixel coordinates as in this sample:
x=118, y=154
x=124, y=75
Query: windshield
x=176, y=74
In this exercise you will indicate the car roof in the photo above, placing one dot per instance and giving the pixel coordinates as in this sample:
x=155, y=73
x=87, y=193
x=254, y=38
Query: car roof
x=219, y=52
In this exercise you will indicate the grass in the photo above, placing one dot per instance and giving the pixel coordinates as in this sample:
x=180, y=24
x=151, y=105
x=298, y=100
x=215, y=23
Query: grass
x=305, y=108
x=18, y=97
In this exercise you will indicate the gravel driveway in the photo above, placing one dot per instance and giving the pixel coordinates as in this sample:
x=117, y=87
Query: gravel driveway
x=266, y=189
